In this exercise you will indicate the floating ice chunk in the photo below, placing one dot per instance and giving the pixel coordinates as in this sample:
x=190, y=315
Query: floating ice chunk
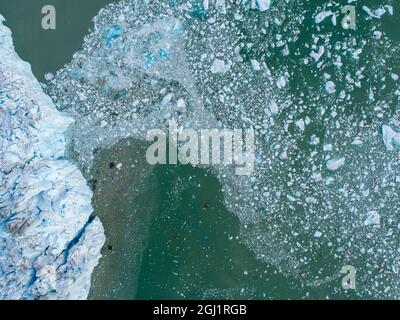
x=255, y=64
x=356, y=53
x=311, y=200
x=263, y=5
x=317, y=55
x=167, y=99
x=317, y=234
x=314, y=140
x=357, y=142
x=273, y=108
x=281, y=83
x=322, y=15
x=330, y=87
x=283, y=155
x=372, y=217
x=374, y=13
x=49, y=76
x=300, y=124
x=181, y=103
x=391, y=138
x=377, y=34
x=389, y=9
x=327, y=147
x=219, y=66
x=334, y=19
x=329, y=181
x=335, y=164
x=220, y=5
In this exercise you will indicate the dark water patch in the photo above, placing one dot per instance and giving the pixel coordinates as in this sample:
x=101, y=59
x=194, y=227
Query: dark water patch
x=124, y=200
x=48, y=50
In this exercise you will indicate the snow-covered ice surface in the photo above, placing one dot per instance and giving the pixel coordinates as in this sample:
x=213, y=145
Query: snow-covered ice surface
x=49, y=240
x=308, y=209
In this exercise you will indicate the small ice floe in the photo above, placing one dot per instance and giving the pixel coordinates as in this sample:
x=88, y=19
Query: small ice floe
x=389, y=9
x=300, y=124
x=49, y=76
x=356, y=53
x=181, y=103
x=281, y=83
x=391, y=138
x=272, y=108
x=311, y=200
x=263, y=5
x=372, y=217
x=377, y=35
x=357, y=142
x=330, y=87
x=377, y=14
x=317, y=55
x=317, y=234
x=335, y=164
x=283, y=155
x=166, y=100
x=219, y=66
x=255, y=64
x=314, y=140
x=322, y=15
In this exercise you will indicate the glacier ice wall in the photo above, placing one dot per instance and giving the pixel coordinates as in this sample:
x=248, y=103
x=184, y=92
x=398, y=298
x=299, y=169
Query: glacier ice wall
x=49, y=240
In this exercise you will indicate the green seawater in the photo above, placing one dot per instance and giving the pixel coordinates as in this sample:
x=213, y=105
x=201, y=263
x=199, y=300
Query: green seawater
x=168, y=232
x=169, y=236
x=48, y=50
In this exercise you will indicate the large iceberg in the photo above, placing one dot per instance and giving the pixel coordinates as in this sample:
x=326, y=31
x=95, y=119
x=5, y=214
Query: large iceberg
x=50, y=240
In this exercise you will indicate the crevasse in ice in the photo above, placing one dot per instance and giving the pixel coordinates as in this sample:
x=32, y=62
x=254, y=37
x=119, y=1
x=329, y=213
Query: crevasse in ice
x=49, y=242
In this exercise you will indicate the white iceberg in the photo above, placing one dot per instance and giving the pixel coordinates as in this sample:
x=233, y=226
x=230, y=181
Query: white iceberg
x=335, y=164
x=372, y=217
x=391, y=138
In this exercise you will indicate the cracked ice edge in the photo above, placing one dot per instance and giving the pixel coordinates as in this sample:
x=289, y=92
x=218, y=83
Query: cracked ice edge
x=50, y=241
